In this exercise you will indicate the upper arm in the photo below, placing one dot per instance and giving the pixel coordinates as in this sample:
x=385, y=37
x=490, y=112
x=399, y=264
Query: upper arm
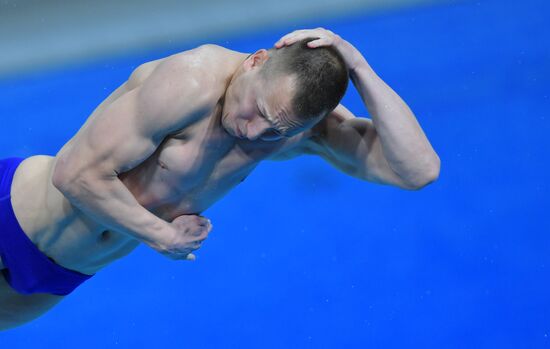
x=352, y=145
x=128, y=130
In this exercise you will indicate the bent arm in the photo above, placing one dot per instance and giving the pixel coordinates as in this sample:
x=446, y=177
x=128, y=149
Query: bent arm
x=392, y=148
x=118, y=138
x=354, y=145
x=402, y=141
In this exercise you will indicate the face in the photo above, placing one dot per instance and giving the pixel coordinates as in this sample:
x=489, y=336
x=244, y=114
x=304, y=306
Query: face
x=257, y=109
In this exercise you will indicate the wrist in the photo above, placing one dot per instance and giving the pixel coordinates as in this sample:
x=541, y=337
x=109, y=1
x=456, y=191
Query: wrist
x=352, y=57
x=158, y=234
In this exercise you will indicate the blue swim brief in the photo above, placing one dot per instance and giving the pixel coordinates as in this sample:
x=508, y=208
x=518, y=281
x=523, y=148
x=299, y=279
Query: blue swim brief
x=26, y=269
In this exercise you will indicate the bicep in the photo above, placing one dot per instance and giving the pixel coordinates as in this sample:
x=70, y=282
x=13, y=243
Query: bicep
x=112, y=141
x=128, y=130
x=124, y=134
x=352, y=145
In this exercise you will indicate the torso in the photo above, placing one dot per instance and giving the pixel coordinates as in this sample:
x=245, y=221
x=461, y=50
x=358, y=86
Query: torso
x=189, y=171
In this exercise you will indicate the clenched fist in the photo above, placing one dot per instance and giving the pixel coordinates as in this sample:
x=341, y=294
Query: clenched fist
x=185, y=236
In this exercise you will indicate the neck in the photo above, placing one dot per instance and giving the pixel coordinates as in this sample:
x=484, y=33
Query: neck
x=237, y=65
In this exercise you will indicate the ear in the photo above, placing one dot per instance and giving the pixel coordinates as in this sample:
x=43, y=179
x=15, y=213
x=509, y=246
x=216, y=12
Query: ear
x=256, y=60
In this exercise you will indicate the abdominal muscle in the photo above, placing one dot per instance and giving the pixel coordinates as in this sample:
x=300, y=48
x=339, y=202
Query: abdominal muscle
x=57, y=228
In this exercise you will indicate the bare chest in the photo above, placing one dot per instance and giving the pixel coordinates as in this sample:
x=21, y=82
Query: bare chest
x=193, y=169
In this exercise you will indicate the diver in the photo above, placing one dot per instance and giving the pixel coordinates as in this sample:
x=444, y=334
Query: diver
x=175, y=138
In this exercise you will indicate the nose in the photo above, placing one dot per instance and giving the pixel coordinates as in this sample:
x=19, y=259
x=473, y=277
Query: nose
x=254, y=130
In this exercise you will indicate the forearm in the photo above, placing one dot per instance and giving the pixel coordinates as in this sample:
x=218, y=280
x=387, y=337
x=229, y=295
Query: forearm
x=404, y=144
x=111, y=204
x=405, y=148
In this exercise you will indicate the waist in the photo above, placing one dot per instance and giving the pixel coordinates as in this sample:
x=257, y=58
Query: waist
x=57, y=228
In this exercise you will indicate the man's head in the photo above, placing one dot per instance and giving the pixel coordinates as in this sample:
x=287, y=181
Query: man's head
x=282, y=92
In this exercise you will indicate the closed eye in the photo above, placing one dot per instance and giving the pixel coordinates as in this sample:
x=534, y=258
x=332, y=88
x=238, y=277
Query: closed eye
x=273, y=130
x=271, y=135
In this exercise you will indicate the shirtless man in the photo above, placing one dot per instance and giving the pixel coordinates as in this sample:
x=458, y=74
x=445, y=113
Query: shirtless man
x=175, y=138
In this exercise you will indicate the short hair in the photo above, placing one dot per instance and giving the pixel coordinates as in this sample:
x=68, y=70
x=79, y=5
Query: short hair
x=321, y=76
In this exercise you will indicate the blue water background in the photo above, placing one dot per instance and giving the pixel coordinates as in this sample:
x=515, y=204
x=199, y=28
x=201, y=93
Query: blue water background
x=302, y=256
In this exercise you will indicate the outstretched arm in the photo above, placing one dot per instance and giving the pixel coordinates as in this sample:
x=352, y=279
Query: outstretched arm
x=391, y=148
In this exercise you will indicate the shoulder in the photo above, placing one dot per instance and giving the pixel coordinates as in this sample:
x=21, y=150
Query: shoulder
x=300, y=144
x=207, y=58
x=183, y=77
x=206, y=66
x=211, y=49
x=214, y=52
x=332, y=121
x=328, y=127
x=188, y=83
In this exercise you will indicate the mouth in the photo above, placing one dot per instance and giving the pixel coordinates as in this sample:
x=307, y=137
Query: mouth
x=238, y=132
x=233, y=131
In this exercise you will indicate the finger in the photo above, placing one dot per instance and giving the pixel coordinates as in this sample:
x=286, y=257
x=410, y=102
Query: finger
x=203, y=235
x=179, y=256
x=288, y=40
x=291, y=38
x=201, y=231
x=197, y=244
x=208, y=224
x=190, y=257
x=200, y=220
x=198, y=232
x=319, y=43
x=200, y=241
x=279, y=42
x=299, y=37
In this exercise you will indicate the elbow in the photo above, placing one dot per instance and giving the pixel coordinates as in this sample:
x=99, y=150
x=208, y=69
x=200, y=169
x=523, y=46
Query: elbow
x=429, y=175
x=62, y=178
x=67, y=180
x=77, y=183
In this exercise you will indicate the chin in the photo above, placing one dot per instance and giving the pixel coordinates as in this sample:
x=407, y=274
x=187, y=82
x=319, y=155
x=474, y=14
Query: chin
x=226, y=128
x=223, y=121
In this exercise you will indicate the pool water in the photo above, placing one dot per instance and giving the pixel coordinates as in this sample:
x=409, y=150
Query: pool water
x=303, y=256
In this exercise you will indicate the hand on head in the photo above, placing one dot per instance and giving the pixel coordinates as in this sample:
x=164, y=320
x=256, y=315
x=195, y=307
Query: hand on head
x=321, y=37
